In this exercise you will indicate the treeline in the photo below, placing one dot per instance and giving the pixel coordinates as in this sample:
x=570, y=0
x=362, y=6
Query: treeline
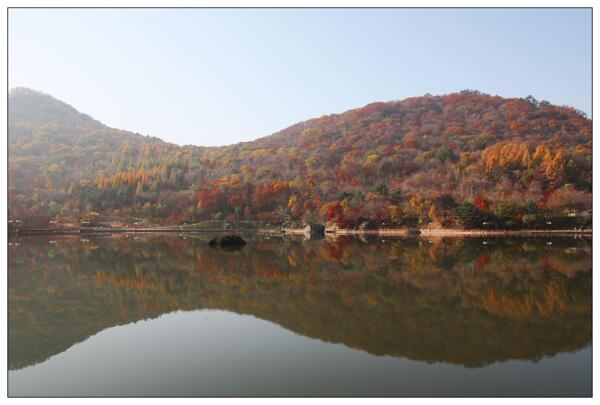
x=455, y=160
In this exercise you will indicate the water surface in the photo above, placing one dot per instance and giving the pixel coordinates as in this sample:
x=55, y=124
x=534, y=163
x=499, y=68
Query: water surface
x=166, y=315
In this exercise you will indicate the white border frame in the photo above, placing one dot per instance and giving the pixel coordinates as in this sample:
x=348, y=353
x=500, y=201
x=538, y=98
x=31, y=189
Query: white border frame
x=260, y=3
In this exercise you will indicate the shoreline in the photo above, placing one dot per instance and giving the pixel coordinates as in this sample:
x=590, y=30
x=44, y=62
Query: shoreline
x=435, y=232
x=522, y=232
x=85, y=231
x=464, y=232
x=337, y=232
x=302, y=231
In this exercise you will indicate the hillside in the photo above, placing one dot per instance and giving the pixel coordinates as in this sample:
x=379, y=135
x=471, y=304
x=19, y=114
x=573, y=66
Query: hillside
x=452, y=160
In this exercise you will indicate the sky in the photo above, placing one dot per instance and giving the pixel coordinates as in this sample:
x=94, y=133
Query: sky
x=221, y=76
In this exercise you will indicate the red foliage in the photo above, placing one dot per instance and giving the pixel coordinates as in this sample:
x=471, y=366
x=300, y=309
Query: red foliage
x=481, y=203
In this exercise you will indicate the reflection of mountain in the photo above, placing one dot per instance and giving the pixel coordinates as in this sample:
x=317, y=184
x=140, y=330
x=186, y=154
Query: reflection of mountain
x=452, y=300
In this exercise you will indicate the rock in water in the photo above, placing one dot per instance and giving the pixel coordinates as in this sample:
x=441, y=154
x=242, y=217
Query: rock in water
x=227, y=240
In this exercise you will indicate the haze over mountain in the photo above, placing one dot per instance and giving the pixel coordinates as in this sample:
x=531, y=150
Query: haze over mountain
x=452, y=160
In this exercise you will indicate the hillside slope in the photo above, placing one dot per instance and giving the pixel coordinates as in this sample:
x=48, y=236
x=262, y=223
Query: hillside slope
x=456, y=159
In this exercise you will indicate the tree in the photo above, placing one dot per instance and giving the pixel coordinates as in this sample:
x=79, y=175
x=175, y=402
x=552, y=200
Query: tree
x=505, y=212
x=335, y=212
x=445, y=154
x=468, y=215
x=445, y=202
x=481, y=203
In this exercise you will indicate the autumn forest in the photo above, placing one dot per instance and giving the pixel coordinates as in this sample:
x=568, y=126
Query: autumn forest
x=457, y=160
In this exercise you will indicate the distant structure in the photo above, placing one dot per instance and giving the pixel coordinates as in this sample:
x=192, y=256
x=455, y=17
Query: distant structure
x=332, y=228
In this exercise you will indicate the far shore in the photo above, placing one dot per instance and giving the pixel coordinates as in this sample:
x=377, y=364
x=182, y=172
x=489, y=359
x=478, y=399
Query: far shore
x=464, y=232
x=302, y=231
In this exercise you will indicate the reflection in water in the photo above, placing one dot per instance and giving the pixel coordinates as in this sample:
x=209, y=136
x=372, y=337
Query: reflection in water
x=464, y=301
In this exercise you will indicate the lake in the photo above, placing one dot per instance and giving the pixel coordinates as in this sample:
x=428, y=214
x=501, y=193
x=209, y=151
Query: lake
x=167, y=315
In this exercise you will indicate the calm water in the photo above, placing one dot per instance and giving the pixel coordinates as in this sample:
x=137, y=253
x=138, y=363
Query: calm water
x=166, y=315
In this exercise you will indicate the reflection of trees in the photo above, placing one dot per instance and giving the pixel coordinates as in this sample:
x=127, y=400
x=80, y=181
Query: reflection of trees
x=450, y=300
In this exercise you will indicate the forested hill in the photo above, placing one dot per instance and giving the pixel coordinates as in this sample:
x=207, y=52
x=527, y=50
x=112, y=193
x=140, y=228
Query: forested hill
x=452, y=160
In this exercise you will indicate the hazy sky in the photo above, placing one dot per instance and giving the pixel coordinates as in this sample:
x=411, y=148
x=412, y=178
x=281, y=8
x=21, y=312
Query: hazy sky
x=217, y=76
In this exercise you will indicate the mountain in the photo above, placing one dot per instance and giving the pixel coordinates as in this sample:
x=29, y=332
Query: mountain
x=453, y=160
